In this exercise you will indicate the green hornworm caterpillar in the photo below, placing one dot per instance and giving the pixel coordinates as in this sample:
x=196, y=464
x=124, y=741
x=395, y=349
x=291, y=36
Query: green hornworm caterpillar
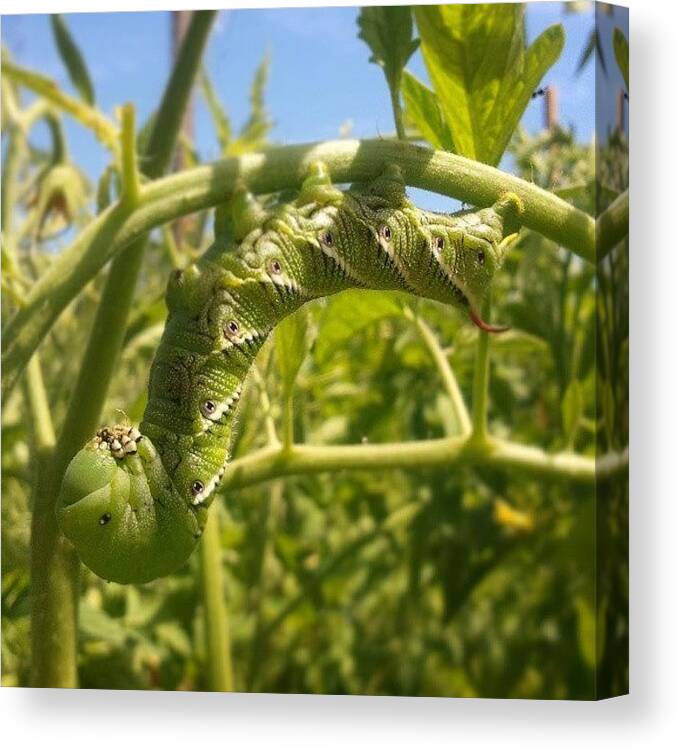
x=134, y=502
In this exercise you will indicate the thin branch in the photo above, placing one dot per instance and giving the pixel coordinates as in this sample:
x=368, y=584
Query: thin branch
x=275, y=462
x=173, y=254
x=38, y=405
x=265, y=401
x=481, y=380
x=54, y=564
x=612, y=226
x=446, y=372
x=397, y=112
x=88, y=116
x=269, y=171
x=217, y=631
x=128, y=148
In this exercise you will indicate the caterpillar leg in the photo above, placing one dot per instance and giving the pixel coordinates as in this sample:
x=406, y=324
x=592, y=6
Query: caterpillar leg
x=502, y=216
x=390, y=186
x=121, y=512
x=247, y=213
x=317, y=187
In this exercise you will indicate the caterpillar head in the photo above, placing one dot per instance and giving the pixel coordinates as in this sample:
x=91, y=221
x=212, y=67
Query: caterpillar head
x=472, y=248
x=107, y=509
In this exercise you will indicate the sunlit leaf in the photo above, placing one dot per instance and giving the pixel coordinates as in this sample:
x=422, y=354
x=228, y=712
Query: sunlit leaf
x=387, y=31
x=621, y=53
x=349, y=313
x=72, y=58
x=482, y=72
x=97, y=624
x=255, y=131
x=422, y=109
x=220, y=119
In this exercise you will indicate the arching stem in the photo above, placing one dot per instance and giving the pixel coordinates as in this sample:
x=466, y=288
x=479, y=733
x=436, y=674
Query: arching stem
x=481, y=379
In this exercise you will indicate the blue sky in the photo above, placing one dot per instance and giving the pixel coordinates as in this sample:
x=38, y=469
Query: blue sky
x=320, y=78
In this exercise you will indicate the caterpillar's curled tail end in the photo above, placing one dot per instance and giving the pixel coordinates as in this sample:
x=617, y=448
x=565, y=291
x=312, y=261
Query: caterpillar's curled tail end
x=119, y=509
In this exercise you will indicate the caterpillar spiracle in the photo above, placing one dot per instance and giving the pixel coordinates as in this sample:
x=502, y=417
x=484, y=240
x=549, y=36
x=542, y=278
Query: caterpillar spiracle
x=134, y=501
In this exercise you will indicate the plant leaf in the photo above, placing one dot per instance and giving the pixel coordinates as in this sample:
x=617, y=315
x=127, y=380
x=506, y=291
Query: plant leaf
x=516, y=89
x=482, y=72
x=144, y=135
x=621, y=53
x=222, y=123
x=351, y=312
x=72, y=58
x=256, y=129
x=423, y=111
x=587, y=52
x=291, y=347
x=388, y=33
x=572, y=408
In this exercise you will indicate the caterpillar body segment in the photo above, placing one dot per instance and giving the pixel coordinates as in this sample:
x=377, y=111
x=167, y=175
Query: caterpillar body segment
x=134, y=501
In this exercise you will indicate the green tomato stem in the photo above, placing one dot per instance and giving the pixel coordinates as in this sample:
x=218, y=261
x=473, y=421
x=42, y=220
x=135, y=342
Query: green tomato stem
x=612, y=225
x=217, y=631
x=274, y=169
x=276, y=462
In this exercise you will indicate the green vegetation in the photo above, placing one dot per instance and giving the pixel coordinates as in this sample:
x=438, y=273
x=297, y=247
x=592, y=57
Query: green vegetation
x=412, y=507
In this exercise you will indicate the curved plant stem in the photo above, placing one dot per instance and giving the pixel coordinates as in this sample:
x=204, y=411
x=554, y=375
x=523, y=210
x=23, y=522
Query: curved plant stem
x=275, y=462
x=219, y=670
x=398, y=114
x=54, y=564
x=88, y=116
x=107, y=335
x=16, y=147
x=446, y=373
x=481, y=379
x=612, y=225
x=271, y=170
x=261, y=548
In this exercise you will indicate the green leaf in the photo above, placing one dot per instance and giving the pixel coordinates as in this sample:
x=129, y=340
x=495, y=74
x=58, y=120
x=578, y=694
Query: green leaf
x=423, y=111
x=95, y=624
x=608, y=409
x=592, y=45
x=144, y=135
x=591, y=629
x=388, y=34
x=482, y=72
x=621, y=53
x=255, y=131
x=222, y=123
x=72, y=59
x=174, y=637
x=351, y=312
x=291, y=347
x=572, y=408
